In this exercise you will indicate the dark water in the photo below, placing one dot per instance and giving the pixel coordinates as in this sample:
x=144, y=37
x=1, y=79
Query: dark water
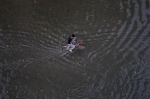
x=114, y=65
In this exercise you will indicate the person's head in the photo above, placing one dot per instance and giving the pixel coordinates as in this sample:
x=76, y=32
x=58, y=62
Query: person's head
x=73, y=35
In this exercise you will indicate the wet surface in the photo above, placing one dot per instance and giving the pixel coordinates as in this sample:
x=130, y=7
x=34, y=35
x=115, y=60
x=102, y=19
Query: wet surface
x=114, y=65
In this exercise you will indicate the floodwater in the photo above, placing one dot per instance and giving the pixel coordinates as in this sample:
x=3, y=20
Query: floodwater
x=114, y=65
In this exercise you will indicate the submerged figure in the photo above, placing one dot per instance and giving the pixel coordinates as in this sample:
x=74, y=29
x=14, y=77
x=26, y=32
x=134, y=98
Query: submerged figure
x=73, y=44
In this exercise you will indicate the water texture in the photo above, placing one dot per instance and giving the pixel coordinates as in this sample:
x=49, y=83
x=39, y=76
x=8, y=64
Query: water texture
x=114, y=65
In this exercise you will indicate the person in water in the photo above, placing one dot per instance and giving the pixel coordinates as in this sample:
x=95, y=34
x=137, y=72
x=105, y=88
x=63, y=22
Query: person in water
x=71, y=43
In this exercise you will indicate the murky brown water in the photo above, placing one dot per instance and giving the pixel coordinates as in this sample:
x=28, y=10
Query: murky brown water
x=114, y=65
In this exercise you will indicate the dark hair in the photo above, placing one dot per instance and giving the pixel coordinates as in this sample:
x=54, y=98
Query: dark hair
x=73, y=35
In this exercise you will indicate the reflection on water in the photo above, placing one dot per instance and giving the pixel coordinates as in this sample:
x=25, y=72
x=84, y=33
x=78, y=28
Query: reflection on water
x=114, y=65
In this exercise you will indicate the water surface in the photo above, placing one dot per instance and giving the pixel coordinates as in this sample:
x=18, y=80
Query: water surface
x=114, y=65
